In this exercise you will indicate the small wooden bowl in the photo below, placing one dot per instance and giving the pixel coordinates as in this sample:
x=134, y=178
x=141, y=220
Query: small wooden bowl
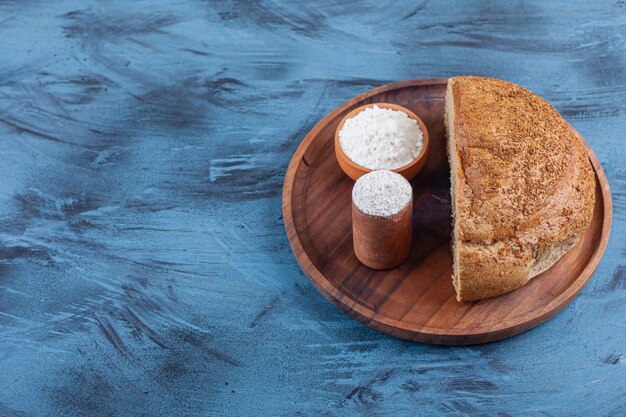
x=408, y=171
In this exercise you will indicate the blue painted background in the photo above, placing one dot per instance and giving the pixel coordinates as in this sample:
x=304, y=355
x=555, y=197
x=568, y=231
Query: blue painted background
x=144, y=268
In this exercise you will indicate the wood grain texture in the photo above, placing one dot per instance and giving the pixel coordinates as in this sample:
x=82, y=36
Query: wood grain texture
x=416, y=300
x=382, y=242
x=144, y=267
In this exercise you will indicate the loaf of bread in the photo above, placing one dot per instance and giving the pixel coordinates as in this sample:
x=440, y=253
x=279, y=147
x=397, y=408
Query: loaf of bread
x=523, y=189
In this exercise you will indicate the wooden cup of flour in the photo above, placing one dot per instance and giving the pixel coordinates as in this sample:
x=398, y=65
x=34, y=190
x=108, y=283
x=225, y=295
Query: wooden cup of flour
x=382, y=219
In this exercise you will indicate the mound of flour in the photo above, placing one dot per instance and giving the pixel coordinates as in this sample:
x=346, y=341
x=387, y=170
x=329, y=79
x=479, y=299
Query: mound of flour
x=378, y=138
x=381, y=193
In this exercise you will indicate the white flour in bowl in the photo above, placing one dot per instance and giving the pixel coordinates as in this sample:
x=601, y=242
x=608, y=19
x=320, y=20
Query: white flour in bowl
x=381, y=193
x=378, y=138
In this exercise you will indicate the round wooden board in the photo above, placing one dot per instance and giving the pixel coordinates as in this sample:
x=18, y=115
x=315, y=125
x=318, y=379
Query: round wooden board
x=416, y=301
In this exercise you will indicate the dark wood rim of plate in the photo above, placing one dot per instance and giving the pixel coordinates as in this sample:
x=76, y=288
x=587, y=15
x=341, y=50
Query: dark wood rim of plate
x=423, y=333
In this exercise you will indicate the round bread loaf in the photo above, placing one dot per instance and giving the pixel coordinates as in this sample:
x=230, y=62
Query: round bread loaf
x=523, y=189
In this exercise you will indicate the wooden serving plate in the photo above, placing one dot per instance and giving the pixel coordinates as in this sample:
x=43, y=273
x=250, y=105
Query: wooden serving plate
x=416, y=301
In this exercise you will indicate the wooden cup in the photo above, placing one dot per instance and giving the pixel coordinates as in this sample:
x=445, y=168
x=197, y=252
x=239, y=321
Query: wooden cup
x=382, y=242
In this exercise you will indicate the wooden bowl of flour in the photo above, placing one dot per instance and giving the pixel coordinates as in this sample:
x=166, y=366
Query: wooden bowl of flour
x=408, y=171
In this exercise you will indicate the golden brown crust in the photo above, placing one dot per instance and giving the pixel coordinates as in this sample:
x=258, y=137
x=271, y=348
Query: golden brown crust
x=525, y=189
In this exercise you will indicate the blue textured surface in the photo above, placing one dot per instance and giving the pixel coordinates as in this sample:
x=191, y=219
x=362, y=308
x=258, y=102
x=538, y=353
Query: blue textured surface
x=144, y=268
